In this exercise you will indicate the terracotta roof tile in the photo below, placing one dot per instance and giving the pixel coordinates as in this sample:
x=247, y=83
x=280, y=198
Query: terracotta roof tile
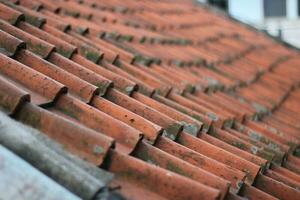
x=34, y=44
x=190, y=125
x=62, y=47
x=10, y=15
x=43, y=90
x=177, y=101
x=171, y=127
x=51, y=160
x=10, y=44
x=126, y=136
x=150, y=130
x=84, y=142
x=77, y=87
x=199, y=160
x=80, y=71
x=142, y=175
x=276, y=188
x=12, y=97
x=251, y=192
x=221, y=155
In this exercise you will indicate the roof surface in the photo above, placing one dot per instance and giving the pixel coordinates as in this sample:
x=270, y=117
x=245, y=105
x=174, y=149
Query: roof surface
x=159, y=100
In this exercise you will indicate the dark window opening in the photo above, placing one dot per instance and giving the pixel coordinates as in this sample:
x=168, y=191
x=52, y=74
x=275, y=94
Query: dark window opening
x=299, y=7
x=223, y=4
x=275, y=8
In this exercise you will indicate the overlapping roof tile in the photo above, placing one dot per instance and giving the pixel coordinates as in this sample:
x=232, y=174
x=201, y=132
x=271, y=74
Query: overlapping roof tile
x=145, y=100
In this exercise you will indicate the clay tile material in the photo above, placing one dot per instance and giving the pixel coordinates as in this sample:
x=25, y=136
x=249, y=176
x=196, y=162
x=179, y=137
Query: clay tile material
x=199, y=108
x=59, y=25
x=42, y=89
x=195, y=115
x=80, y=71
x=9, y=45
x=163, y=183
x=266, y=136
x=109, y=55
x=17, y=137
x=276, y=188
x=84, y=49
x=283, y=179
x=155, y=156
x=10, y=15
x=77, y=87
x=236, y=177
x=31, y=17
x=239, y=152
x=221, y=155
x=34, y=44
x=50, y=6
x=260, y=149
x=162, y=88
x=191, y=125
x=83, y=142
x=252, y=193
x=150, y=130
x=125, y=136
x=33, y=5
x=175, y=100
x=142, y=87
x=286, y=173
x=242, y=144
x=62, y=47
x=11, y=97
x=171, y=127
x=124, y=55
x=122, y=83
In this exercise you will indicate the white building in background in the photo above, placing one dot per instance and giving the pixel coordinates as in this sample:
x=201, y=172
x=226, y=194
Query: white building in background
x=280, y=18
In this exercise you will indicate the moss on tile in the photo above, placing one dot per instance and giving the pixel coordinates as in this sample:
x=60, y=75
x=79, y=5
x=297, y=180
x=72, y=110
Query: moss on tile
x=92, y=56
x=64, y=51
x=13, y=20
x=192, y=129
x=98, y=150
x=69, y=112
x=174, y=168
x=172, y=131
x=239, y=145
x=38, y=49
x=35, y=21
x=31, y=118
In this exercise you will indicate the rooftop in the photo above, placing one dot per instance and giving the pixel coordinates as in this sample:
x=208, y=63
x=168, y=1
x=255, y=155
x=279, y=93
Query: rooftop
x=145, y=99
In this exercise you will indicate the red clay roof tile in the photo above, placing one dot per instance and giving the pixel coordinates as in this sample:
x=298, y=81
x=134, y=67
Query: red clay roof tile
x=12, y=97
x=171, y=127
x=150, y=130
x=213, y=104
x=10, y=15
x=80, y=71
x=77, y=87
x=42, y=89
x=34, y=44
x=251, y=192
x=158, y=157
x=170, y=185
x=84, y=142
x=126, y=137
x=206, y=163
x=62, y=47
x=9, y=44
x=275, y=188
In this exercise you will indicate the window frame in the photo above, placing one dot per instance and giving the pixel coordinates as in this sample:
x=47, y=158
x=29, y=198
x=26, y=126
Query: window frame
x=270, y=11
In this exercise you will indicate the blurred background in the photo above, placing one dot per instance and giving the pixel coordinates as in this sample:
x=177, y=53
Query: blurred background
x=279, y=18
